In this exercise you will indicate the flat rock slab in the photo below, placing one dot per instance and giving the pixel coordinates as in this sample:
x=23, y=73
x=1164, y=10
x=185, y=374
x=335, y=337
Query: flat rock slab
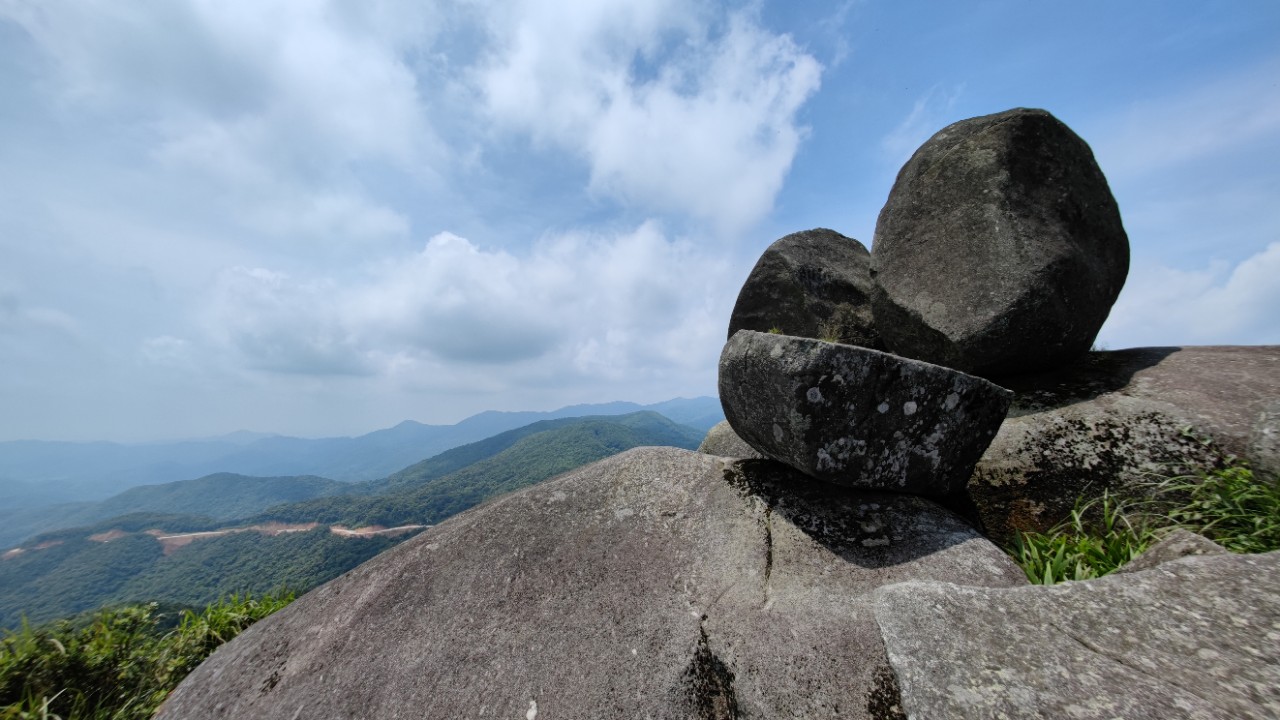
x=858, y=417
x=1120, y=420
x=1195, y=638
x=816, y=284
x=1000, y=249
x=657, y=583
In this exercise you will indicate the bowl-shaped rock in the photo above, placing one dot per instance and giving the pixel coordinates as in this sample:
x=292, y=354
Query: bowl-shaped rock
x=858, y=417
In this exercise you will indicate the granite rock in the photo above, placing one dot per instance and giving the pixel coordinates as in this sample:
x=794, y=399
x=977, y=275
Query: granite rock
x=858, y=417
x=1000, y=249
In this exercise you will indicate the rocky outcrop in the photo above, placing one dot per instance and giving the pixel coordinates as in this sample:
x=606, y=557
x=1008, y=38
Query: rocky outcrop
x=1192, y=638
x=723, y=441
x=1175, y=545
x=657, y=583
x=1119, y=421
x=814, y=284
x=1000, y=250
x=858, y=417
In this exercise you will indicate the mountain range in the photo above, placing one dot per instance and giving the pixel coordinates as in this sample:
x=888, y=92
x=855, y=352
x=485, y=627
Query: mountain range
x=193, y=541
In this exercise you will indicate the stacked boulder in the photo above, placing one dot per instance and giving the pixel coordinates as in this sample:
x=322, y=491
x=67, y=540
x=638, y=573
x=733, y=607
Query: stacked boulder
x=1000, y=251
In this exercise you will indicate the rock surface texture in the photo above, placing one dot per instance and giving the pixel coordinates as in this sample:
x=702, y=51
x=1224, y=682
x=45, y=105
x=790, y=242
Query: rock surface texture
x=658, y=583
x=1000, y=249
x=723, y=441
x=1194, y=638
x=1176, y=545
x=814, y=284
x=858, y=417
x=1120, y=420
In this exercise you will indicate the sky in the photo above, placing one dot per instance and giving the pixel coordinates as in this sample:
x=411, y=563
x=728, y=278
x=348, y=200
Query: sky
x=321, y=218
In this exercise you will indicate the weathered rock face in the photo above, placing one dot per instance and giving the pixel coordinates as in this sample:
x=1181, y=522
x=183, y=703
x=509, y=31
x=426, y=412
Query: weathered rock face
x=723, y=441
x=1177, y=544
x=657, y=583
x=858, y=417
x=1192, y=638
x=1119, y=421
x=815, y=284
x=1000, y=250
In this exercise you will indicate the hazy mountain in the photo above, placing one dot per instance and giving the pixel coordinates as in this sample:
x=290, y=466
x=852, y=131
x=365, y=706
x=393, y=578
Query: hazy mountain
x=41, y=473
x=70, y=570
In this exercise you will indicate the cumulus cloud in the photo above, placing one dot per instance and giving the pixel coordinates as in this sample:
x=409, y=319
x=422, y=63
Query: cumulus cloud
x=1222, y=304
x=672, y=105
x=576, y=305
x=274, y=101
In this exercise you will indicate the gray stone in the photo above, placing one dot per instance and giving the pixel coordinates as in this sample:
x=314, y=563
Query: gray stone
x=815, y=284
x=858, y=417
x=723, y=441
x=1000, y=249
x=1193, y=638
x=1121, y=421
x=1178, y=543
x=657, y=583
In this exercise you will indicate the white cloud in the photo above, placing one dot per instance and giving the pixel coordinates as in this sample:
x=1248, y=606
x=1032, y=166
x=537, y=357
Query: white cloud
x=577, y=305
x=672, y=106
x=1230, y=114
x=928, y=116
x=1218, y=305
x=273, y=101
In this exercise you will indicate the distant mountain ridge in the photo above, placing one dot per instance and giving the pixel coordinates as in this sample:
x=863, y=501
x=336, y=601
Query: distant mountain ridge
x=36, y=473
x=278, y=541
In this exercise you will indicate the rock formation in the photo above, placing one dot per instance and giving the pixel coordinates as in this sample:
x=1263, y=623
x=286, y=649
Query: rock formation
x=723, y=441
x=1120, y=421
x=858, y=417
x=1192, y=638
x=814, y=284
x=658, y=583
x=1000, y=250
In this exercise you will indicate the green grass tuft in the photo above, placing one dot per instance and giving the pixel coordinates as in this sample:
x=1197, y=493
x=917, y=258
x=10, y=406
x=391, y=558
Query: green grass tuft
x=1232, y=506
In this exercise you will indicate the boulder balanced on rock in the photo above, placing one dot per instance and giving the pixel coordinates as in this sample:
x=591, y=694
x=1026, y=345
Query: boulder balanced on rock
x=816, y=284
x=1000, y=249
x=858, y=417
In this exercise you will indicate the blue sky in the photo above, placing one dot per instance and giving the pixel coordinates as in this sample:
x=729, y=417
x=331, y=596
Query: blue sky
x=322, y=218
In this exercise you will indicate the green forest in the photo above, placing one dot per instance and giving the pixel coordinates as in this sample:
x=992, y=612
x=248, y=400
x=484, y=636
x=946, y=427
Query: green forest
x=70, y=573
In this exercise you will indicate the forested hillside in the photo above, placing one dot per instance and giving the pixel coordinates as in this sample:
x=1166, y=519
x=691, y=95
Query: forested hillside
x=215, y=537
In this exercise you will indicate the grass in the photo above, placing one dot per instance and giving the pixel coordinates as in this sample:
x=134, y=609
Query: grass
x=118, y=664
x=1233, y=507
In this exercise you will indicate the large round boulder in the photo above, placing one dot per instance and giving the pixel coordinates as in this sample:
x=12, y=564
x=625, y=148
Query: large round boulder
x=815, y=284
x=858, y=417
x=1000, y=249
x=658, y=583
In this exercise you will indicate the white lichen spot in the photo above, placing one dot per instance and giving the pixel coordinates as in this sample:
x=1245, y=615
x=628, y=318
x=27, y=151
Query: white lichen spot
x=909, y=407
x=950, y=403
x=623, y=513
x=814, y=395
x=558, y=496
x=777, y=432
x=883, y=408
x=633, y=651
x=532, y=713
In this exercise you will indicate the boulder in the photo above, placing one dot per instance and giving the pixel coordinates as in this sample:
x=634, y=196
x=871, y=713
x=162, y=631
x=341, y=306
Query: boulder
x=657, y=583
x=815, y=284
x=1000, y=249
x=723, y=441
x=858, y=417
x=1193, y=638
x=1121, y=421
x=1178, y=543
